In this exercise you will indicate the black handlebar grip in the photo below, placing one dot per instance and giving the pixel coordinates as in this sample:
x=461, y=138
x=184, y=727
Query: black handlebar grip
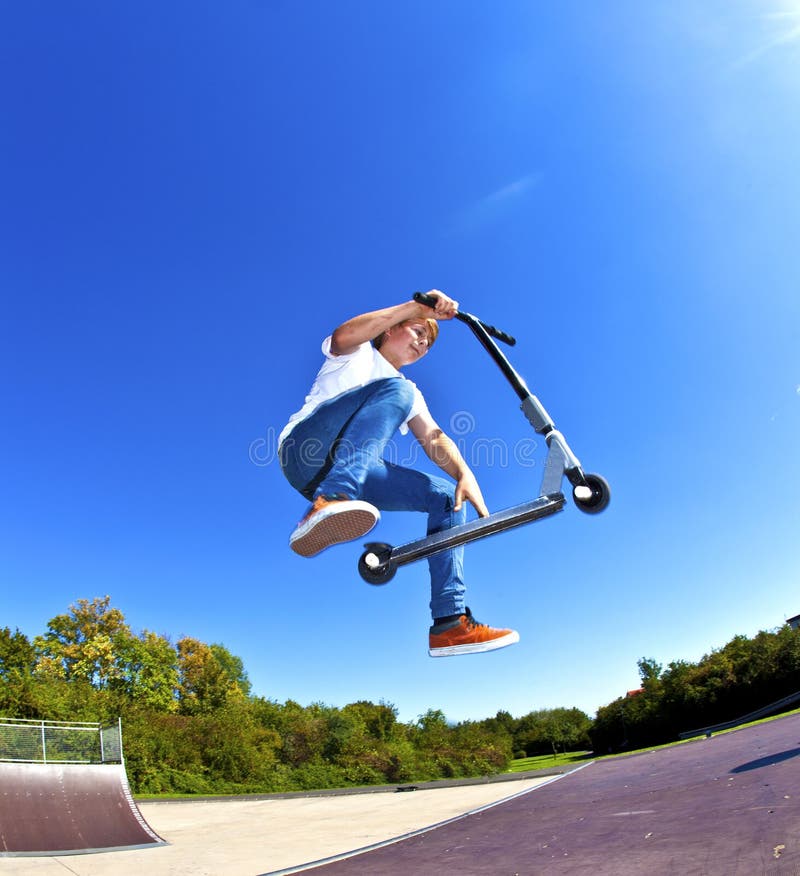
x=430, y=301
x=427, y=300
x=500, y=335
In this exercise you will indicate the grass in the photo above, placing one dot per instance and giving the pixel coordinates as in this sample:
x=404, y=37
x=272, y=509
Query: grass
x=543, y=761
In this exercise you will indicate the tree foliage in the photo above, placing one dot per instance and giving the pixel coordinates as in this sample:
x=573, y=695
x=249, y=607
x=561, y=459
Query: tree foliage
x=192, y=724
x=544, y=731
x=211, y=678
x=730, y=682
x=83, y=644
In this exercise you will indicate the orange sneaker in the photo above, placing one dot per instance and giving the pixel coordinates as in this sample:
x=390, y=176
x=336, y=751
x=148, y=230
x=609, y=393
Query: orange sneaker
x=331, y=520
x=467, y=636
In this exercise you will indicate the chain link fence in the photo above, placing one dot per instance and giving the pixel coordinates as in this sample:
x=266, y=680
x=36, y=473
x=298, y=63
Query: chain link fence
x=26, y=741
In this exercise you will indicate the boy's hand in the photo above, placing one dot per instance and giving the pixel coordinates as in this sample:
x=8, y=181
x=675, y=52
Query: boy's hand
x=446, y=307
x=467, y=488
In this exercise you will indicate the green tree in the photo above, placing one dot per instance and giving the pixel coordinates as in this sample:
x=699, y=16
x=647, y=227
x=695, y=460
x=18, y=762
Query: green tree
x=380, y=721
x=17, y=655
x=565, y=729
x=233, y=668
x=432, y=727
x=17, y=661
x=649, y=672
x=82, y=644
x=210, y=677
x=148, y=671
x=550, y=730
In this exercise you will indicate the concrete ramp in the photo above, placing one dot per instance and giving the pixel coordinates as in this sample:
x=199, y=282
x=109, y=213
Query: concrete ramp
x=62, y=809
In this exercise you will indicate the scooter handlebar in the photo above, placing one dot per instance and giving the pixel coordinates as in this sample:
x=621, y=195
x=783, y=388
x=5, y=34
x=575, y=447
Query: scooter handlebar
x=430, y=301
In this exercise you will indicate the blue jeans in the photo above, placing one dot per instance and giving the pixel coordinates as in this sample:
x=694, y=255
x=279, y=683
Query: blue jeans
x=339, y=448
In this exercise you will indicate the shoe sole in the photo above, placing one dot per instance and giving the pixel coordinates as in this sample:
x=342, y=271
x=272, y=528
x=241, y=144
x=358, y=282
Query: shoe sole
x=334, y=528
x=475, y=647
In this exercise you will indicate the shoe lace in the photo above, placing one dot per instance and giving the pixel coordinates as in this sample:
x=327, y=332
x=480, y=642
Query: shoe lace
x=472, y=622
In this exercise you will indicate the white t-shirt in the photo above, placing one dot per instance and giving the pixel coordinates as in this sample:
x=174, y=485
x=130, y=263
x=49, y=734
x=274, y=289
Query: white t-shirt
x=340, y=374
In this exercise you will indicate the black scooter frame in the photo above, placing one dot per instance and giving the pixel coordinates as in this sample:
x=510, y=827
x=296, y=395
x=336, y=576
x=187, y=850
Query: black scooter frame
x=591, y=493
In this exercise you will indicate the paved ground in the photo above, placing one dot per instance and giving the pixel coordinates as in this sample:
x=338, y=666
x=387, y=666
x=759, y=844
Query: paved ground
x=248, y=837
x=725, y=806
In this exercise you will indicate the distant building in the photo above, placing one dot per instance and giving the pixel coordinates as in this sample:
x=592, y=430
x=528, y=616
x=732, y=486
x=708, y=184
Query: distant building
x=794, y=622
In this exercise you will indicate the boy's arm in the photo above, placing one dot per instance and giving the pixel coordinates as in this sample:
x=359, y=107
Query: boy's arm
x=351, y=334
x=440, y=449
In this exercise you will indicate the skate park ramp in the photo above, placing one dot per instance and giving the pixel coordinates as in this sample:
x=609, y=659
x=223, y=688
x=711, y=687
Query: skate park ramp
x=64, y=790
x=59, y=809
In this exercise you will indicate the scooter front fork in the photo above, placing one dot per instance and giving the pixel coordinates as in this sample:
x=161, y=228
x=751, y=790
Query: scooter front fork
x=560, y=458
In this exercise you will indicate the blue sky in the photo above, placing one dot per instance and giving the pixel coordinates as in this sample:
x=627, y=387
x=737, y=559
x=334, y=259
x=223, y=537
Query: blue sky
x=195, y=194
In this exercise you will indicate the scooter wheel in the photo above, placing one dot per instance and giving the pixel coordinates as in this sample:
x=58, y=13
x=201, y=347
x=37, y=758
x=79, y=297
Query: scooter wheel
x=374, y=565
x=599, y=498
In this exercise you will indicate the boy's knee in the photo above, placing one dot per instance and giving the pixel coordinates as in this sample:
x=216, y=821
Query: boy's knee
x=394, y=390
x=445, y=497
x=460, y=516
x=400, y=388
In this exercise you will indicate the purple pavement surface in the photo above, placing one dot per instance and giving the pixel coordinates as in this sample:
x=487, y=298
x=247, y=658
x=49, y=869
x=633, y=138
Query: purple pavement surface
x=727, y=805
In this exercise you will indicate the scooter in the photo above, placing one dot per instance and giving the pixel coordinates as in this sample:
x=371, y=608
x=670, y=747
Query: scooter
x=590, y=492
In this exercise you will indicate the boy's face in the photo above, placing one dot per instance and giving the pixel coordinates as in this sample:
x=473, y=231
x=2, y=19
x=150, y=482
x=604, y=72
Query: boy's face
x=406, y=343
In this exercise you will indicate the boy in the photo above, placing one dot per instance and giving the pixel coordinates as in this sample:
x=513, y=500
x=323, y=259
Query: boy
x=331, y=451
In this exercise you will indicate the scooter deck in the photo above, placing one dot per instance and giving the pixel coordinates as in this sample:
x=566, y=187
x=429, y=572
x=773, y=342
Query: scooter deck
x=475, y=529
